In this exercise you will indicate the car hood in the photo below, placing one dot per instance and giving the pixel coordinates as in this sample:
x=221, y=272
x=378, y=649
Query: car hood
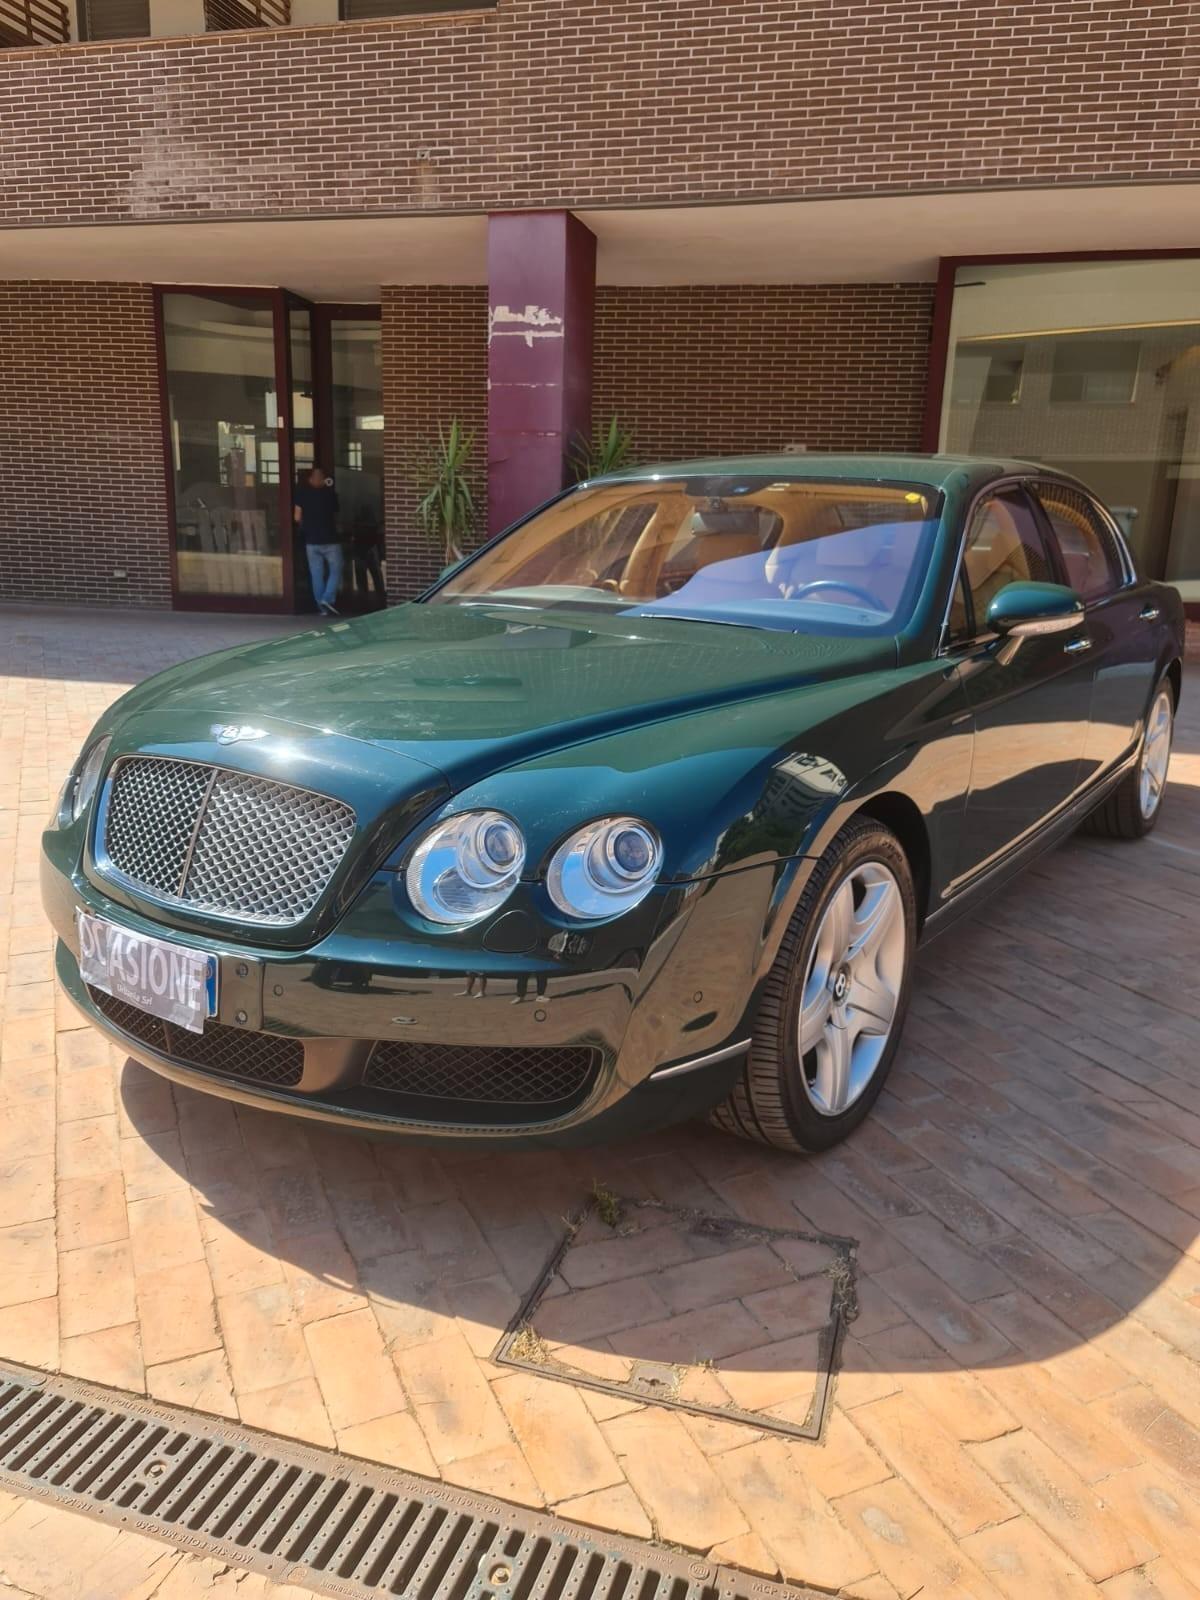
x=466, y=689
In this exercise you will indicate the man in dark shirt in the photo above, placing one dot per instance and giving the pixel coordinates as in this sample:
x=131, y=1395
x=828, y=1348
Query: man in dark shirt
x=316, y=515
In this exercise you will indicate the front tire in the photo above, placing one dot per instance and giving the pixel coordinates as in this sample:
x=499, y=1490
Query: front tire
x=1132, y=809
x=834, y=1002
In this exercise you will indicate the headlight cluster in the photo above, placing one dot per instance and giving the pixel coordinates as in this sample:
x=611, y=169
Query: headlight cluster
x=605, y=868
x=82, y=780
x=466, y=867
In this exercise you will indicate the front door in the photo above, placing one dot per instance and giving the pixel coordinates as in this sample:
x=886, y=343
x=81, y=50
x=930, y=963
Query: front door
x=238, y=399
x=1030, y=699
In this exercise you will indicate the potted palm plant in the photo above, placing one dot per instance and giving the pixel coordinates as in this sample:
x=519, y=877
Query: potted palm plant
x=447, y=509
x=608, y=450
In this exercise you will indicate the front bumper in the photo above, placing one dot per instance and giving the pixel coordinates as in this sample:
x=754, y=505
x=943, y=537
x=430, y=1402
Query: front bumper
x=665, y=1017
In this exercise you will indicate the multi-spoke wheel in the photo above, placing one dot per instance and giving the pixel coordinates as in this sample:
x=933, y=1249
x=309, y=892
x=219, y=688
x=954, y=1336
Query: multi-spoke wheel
x=1156, y=753
x=1132, y=808
x=834, y=1002
x=848, y=1005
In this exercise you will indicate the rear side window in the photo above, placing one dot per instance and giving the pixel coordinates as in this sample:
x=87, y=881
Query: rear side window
x=1004, y=545
x=1089, y=552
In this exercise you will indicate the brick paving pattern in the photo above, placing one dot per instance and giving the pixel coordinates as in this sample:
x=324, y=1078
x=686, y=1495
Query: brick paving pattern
x=1018, y=1408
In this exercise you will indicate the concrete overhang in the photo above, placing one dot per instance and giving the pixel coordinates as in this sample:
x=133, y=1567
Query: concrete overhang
x=880, y=239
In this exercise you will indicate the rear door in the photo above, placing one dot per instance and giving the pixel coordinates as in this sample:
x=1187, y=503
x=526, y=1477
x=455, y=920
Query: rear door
x=1030, y=699
x=1121, y=615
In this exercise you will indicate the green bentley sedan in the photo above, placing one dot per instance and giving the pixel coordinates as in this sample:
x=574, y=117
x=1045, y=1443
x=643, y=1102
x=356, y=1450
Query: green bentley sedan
x=638, y=814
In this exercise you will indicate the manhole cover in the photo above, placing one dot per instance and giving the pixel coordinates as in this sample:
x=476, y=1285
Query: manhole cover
x=705, y=1313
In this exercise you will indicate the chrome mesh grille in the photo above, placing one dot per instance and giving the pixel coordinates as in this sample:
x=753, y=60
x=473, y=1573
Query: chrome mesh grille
x=152, y=815
x=225, y=842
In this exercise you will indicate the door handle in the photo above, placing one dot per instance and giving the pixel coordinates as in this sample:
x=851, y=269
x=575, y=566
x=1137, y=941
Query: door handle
x=1076, y=646
x=1148, y=614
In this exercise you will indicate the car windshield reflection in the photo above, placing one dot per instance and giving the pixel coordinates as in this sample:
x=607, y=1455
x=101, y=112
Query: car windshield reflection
x=803, y=555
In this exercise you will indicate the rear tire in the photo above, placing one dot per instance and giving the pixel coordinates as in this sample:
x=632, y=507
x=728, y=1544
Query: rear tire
x=834, y=1002
x=1133, y=807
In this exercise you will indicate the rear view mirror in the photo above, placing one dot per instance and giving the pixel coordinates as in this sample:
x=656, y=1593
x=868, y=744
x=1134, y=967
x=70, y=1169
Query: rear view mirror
x=1025, y=610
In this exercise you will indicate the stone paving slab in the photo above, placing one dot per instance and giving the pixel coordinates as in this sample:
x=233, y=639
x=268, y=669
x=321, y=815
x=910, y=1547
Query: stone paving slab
x=1018, y=1407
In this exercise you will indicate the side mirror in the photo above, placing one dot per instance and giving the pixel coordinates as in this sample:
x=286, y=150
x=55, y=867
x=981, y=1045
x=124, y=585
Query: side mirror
x=1025, y=610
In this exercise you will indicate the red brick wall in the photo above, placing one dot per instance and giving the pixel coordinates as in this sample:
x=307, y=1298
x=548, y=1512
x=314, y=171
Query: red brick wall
x=689, y=370
x=434, y=369
x=721, y=370
x=542, y=102
x=82, y=490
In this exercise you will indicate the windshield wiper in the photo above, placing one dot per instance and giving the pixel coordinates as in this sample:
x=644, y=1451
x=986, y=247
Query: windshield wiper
x=686, y=616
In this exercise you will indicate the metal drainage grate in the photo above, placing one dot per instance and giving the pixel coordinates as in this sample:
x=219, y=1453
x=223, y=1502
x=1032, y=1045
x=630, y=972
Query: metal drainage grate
x=720, y=1317
x=317, y=1519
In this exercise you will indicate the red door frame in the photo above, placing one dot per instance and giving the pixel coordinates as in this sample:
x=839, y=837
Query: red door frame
x=939, y=336
x=280, y=301
x=325, y=313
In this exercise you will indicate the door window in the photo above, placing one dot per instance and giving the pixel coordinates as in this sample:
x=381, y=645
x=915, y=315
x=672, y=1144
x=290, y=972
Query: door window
x=1004, y=545
x=1089, y=553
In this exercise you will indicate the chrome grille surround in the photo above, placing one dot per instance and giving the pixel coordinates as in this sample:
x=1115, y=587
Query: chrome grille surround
x=223, y=843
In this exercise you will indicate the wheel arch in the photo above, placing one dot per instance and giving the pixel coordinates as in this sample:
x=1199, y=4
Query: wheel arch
x=1174, y=676
x=900, y=813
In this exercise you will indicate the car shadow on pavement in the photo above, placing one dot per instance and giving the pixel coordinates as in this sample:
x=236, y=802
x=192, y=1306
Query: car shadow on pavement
x=1027, y=1189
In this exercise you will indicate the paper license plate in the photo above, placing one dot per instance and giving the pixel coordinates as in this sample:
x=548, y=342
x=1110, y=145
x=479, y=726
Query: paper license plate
x=168, y=980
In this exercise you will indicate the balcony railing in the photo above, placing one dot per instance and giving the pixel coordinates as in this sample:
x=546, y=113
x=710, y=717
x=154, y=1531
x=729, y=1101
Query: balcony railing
x=26, y=22
x=220, y=16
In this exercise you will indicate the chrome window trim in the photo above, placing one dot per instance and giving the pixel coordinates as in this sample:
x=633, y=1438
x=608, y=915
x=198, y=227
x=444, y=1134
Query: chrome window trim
x=107, y=869
x=1029, y=481
x=1123, y=551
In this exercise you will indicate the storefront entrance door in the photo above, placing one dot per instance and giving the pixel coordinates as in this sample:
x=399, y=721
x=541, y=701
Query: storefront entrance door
x=238, y=412
x=258, y=387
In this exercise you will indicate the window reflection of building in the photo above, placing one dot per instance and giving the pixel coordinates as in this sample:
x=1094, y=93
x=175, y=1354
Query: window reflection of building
x=1093, y=367
x=220, y=374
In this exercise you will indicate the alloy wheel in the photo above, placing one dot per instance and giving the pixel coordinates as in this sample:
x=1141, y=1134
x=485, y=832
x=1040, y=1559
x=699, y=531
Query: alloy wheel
x=852, y=988
x=1156, y=754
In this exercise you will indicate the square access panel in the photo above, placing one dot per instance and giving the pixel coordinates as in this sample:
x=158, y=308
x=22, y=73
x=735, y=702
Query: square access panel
x=704, y=1313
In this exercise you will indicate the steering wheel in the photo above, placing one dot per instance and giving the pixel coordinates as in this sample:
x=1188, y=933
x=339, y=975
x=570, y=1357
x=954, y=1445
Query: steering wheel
x=819, y=585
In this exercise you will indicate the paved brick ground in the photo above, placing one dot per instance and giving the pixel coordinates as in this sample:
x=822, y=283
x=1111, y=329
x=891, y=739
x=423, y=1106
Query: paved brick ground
x=1018, y=1412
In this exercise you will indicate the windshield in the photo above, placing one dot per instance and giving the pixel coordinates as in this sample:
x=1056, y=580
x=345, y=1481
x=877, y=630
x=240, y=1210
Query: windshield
x=800, y=554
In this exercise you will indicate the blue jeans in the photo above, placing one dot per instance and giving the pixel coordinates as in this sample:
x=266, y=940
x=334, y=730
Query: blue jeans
x=325, y=570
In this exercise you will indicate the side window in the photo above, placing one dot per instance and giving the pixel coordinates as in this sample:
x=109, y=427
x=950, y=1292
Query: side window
x=1004, y=545
x=1089, y=554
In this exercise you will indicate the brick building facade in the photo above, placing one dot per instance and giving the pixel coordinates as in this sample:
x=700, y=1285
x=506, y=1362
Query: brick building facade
x=792, y=204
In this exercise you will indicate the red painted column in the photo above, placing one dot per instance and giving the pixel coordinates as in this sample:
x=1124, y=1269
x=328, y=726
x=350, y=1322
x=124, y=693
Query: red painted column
x=541, y=298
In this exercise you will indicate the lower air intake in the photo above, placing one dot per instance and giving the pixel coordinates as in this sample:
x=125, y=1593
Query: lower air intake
x=257, y=1057
x=545, y=1078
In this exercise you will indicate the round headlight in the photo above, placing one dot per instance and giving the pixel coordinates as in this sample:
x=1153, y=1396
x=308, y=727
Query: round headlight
x=80, y=787
x=466, y=867
x=605, y=868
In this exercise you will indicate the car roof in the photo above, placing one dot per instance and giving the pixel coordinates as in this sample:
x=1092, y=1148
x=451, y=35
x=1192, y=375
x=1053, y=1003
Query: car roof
x=931, y=471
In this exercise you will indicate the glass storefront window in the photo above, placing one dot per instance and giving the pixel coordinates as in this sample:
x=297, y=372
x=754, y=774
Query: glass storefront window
x=224, y=430
x=357, y=433
x=1092, y=367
